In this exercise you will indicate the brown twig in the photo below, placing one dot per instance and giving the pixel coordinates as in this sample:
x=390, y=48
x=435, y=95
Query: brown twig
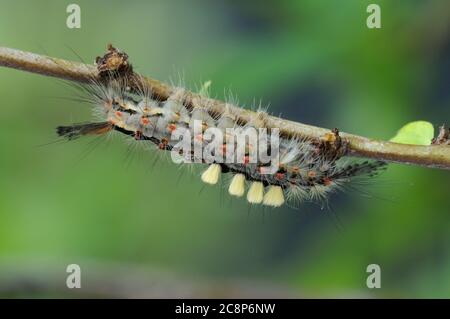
x=433, y=156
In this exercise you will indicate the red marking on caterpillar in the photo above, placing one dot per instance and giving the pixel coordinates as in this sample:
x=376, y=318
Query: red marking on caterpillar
x=327, y=181
x=199, y=137
x=171, y=127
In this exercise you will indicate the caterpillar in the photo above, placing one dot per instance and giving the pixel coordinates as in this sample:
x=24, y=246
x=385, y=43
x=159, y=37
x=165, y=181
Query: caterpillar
x=267, y=169
x=295, y=169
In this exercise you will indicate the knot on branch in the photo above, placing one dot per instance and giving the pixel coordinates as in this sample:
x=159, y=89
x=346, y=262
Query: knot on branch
x=443, y=137
x=114, y=62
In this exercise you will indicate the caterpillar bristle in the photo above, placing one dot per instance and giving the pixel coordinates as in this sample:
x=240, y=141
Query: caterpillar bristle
x=255, y=193
x=211, y=174
x=72, y=132
x=359, y=169
x=303, y=172
x=237, y=185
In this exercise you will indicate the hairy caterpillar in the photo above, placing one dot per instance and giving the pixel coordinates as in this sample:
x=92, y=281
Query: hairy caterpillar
x=296, y=170
x=305, y=170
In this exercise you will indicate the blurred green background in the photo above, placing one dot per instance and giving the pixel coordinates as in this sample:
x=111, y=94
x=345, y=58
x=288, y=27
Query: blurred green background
x=138, y=230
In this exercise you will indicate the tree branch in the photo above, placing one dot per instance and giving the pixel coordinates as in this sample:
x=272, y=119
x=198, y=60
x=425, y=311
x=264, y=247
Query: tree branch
x=434, y=156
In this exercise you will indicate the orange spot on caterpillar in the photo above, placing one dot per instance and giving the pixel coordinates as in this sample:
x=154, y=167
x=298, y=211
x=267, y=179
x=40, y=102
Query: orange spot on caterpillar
x=311, y=174
x=171, y=127
x=280, y=176
x=145, y=121
x=118, y=114
x=199, y=137
x=327, y=181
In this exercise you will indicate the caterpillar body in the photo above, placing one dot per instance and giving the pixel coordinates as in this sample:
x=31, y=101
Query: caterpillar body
x=305, y=170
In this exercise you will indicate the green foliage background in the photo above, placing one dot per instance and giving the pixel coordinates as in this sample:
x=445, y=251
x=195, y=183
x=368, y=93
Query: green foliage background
x=313, y=61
